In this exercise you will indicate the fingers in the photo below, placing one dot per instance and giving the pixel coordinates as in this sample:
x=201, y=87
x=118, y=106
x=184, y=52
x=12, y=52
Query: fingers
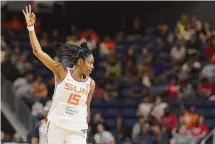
x=24, y=12
x=26, y=9
x=29, y=9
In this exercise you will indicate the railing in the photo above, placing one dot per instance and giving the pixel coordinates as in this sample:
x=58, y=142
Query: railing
x=16, y=104
x=211, y=135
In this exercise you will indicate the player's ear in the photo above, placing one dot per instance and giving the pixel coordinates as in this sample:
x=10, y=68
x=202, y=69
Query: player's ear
x=80, y=62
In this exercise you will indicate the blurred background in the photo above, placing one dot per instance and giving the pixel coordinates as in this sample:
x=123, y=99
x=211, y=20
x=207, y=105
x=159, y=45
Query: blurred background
x=154, y=70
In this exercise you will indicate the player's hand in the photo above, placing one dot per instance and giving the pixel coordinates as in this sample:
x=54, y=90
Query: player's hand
x=30, y=17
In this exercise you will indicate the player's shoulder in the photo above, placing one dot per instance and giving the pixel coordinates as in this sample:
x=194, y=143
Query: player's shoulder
x=92, y=82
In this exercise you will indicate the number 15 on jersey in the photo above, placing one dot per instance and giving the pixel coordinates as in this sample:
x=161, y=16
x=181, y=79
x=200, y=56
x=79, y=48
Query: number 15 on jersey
x=74, y=99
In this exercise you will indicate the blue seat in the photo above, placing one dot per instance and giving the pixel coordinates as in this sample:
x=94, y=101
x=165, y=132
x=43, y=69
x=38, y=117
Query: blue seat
x=96, y=110
x=97, y=103
x=111, y=123
x=176, y=111
x=128, y=103
x=129, y=113
x=112, y=112
x=210, y=122
x=131, y=122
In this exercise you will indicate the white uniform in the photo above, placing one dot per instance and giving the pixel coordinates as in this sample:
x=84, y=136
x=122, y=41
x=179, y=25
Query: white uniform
x=68, y=114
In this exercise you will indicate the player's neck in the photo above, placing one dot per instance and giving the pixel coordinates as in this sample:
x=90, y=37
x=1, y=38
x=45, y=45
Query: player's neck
x=77, y=74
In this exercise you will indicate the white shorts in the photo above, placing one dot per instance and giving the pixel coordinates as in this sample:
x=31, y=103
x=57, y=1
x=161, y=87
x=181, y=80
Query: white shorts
x=57, y=135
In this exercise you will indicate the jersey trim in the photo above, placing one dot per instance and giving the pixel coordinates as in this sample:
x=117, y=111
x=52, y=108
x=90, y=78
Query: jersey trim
x=59, y=81
x=76, y=79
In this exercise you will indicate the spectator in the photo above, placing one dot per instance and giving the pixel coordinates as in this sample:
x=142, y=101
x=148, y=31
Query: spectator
x=192, y=65
x=182, y=137
x=188, y=32
x=163, y=32
x=198, y=131
x=39, y=88
x=193, y=44
x=186, y=91
x=23, y=65
x=102, y=136
x=146, y=136
x=39, y=133
x=73, y=39
x=143, y=59
x=159, y=107
x=120, y=128
x=91, y=37
x=17, y=138
x=113, y=67
x=205, y=88
x=131, y=56
x=178, y=53
x=169, y=120
x=172, y=89
x=23, y=88
x=15, y=24
x=144, y=107
x=210, y=48
x=137, y=127
x=205, y=32
x=107, y=46
x=209, y=71
x=190, y=117
x=180, y=26
x=97, y=119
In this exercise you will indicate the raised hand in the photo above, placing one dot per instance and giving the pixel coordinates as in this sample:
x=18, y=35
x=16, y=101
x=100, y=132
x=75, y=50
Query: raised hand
x=30, y=17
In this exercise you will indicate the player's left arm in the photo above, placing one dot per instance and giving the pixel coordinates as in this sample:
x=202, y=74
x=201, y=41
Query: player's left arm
x=90, y=95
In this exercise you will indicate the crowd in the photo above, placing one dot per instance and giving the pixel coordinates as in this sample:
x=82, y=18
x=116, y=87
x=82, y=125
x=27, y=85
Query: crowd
x=177, y=63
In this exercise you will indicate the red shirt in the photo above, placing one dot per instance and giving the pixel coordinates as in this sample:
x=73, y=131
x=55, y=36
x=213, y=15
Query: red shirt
x=172, y=90
x=210, y=51
x=196, y=131
x=207, y=86
x=169, y=121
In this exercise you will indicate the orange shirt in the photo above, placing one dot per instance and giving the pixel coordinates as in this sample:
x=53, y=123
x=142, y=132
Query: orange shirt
x=190, y=119
x=40, y=89
x=93, y=36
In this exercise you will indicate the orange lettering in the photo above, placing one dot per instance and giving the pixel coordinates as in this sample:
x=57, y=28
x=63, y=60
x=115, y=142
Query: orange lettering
x=72, y=87
x=74, y=99
x=68, y=86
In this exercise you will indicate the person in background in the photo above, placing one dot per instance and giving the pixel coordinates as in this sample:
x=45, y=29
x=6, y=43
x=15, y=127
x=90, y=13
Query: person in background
x=39, y=133
x=198, y=131
x=182, y=137
x=39, y=88
x=120, y=128
x=205, y=88
x=159, y=107
x=97, y=119
x=190, y=117
x=178, y=53
x=113, y=67
x=169, y=120
x=102, y=136
x=146, y=136
x=144, y=107
x=136, y=129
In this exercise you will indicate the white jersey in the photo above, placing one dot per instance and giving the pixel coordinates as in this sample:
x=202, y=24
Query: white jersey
x=69, y=108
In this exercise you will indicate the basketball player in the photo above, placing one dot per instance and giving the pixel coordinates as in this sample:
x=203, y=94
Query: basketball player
x=70, y=111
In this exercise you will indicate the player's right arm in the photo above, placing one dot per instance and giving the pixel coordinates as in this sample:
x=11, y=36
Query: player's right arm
x=54, y=66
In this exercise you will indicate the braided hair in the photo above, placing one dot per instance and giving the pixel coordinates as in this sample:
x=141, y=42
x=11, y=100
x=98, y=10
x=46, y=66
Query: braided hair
x=70, y=54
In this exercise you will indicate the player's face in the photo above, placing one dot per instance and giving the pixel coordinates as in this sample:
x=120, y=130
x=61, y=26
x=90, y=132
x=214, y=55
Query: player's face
x=87, y=65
